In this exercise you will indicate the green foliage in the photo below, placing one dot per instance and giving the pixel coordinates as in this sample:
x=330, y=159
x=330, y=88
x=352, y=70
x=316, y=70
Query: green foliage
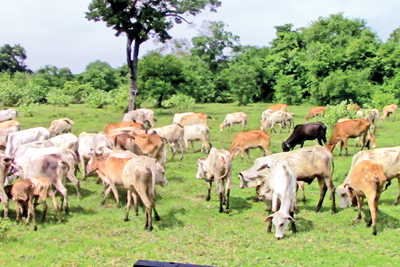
x=335, y=112
x=287, y=90
x=12, y=58
x=77, y=91
x=59, y=98
x=101, y=76
x=381, y=99
x=97, y=99
x=5, y=224
x=28, y=110
x=119, y=98
x=10, y=94
x=179, y=102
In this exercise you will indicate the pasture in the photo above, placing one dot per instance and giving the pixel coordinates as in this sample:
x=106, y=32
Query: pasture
x=192, y=230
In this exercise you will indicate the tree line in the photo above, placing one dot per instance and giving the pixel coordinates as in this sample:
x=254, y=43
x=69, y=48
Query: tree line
x=334, y=59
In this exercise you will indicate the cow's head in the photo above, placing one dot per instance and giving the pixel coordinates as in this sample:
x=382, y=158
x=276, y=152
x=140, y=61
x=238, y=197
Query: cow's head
x=221, y=127
x=160, y=175
x=98, y=156
x=281, y=221
x=252, y=177
x=285, y=147
x=202, y=168
x=344, y=196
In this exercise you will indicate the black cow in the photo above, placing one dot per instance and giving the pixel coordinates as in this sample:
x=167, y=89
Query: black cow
x=303, y=132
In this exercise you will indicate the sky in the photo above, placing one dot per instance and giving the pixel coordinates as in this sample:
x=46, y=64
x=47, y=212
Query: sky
x=57, y=33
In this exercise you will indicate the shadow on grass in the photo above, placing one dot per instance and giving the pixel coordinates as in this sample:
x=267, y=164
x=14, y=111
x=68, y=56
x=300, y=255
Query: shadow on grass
x=175, y=179
x=169, y=220
x=239, y=204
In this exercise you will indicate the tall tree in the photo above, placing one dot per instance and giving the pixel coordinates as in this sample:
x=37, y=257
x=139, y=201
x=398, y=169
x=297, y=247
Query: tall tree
x=12, y=58
x=142, y=19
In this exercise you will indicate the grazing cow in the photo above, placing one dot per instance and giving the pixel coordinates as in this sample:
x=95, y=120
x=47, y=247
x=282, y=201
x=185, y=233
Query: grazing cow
x=266, y=114
x=109, y=167
x=112, y=126
x=390, y=109
x=42, y=190
x=282, y=185
x=388, y=157
x=8, y=114
x=151, y=145
x=5, y=165
x=174, y=134
x=89, y=142
x=22, y=193
x=234, y=118
x=365, y=180
x=141, y=116
x=53, y=167
x=130, y=130
x=303, y=132
x=315, y=112
x=7, y=127
x=370, y=115
x=195, y=118
x=197, y=132
x=139, y=177
x=371, y=139
x=217, y=167
x=276, y=117
x=278, y=107
x=60, y=126
x=244, y=141
x=16, y=139
x=307, y=163
x=348, y=129
x=179, y=116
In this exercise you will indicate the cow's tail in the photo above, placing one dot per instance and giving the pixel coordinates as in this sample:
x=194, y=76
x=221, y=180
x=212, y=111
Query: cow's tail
x=226, y=167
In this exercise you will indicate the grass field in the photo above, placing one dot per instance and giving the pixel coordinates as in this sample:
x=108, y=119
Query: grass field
x=192, y=230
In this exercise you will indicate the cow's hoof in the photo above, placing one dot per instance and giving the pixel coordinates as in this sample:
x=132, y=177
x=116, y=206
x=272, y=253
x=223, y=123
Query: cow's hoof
x=126, y=219
x=35, y=228
x=208, y=198
x=227, y=211
x=148, y=228
x=157, y=218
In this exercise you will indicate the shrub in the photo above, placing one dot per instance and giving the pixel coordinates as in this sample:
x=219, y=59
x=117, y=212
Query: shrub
x=334, y=113
x=179, y=102
x=97, y=99
x=58, y=98
x=28, y=110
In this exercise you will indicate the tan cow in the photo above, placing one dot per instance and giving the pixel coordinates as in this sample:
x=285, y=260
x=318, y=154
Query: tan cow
x=195, y=118
x=151, y=145
x=348, y=129
x=174, y=134
x=139, y=178
x=234, y=118
x=316, y=112
x=179, y=116
x=217, y=167
x=278, y=107
x=112, y=126
x=197, y=132
x=365, y=180
x=8, y=114
x=244, y=141
x=142, y=115
x=5, y=165
x=60, y=126
x=278, y=117
x=390, y=109
x=7, y=127
x=22, y=193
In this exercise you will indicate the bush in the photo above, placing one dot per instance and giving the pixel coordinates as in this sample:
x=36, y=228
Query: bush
x=78, y=91
x=179, y=102
x=10, y=94
x=28, y=110
x=58, y=98
x=334, y=113
x=97, y=99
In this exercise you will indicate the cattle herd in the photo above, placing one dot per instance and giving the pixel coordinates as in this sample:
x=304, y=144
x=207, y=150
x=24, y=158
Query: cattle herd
x=132, y=154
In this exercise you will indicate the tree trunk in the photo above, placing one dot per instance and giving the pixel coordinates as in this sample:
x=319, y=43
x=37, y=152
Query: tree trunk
x=133, y=67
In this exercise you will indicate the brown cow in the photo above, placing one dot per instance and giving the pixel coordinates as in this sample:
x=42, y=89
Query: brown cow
x=22, y=194
x=365, y=180
x=278, y=107
x=151, y=145
x=112, y=126
x=244, y=141
x=195, y=119
x=391, y=109
x=348, y=129
x=315, y=112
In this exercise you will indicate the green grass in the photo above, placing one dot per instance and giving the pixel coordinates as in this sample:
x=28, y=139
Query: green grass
x=192, y=230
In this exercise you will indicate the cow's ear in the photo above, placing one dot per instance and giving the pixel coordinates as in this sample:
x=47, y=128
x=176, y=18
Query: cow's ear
x=263, y=167
x=269, y=218
x=223, y=160
x=290, y=218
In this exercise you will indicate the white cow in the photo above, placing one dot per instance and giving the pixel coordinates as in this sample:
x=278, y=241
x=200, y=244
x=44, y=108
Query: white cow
x=234, y=118
x=197, y=132
x=89, y=142
x=141, y=116
x=174, y=134
x=276, y=117
x=60, y=126
x=16, y=139
x=282, y=185
x=266, y=114
x=179, y=116
x=8, y=114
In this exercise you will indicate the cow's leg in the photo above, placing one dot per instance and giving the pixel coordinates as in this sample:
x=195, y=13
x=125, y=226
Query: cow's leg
x=106, y=194
x=322, y=190
x=149, y=208
x=60, y=188
x=319, y=141
x=53, y=199
x=18, y=211
x=373, y=207
x=31, y=213
x=209, y=191
x=180, y=144
x=221, y=194
x=272, y=128
x=6, y=205
x=302, y=144
x=173, y=150
x=301, y=185
x=360, y=201
x=71, y=176
x=275, y=203
x=398, y=194
x=44, y=202
x=257, y=194
x=364, y=138
x=329, y=184
x=294, y=230
x=156, y=216
x=115, y=192
x=248, y=153
x=346, y=146
x=83, y=163
x=191, y=143
x=128, y=205
x=135, y=203
x=228, y=192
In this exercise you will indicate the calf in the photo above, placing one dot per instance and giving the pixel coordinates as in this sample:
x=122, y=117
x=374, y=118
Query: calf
x=365, y=180
x=217, y=167
x=244, y=141
x=139, y=177
x=22, y=194
x=282, y=184
x=390, y=109
x=197, y=132
x=234, y=118
x=315, y=112
x=276, y=117
x=303, y=132
x=60, y=126
x=348, y=129
x=174, y=135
